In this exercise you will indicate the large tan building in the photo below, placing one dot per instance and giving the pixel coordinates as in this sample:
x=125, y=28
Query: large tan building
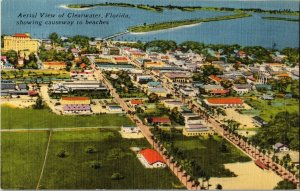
x=20, y=42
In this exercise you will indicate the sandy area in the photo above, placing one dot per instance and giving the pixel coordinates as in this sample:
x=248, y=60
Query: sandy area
x=249, y=177
x=131, y=135
x=23, y=102
x=245, y=120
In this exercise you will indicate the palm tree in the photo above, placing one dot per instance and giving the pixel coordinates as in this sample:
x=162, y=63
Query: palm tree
x=207, y=180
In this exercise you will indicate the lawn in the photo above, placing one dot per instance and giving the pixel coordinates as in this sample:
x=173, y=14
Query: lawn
x=269, y=109
x=210, y=154
x=13, y=118
x=113, y=155
x=22, y=156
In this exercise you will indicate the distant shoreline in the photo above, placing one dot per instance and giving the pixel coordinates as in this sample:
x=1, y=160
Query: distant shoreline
x=174, y=24
x=160, y=8
x=174, y=28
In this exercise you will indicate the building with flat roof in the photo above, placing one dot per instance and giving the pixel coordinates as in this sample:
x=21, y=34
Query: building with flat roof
x=75, y=100
x=196, y=130
x=177, y=77
x=20, y=42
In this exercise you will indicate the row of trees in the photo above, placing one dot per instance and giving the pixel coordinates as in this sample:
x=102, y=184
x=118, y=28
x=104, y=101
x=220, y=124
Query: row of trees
x=179, y=157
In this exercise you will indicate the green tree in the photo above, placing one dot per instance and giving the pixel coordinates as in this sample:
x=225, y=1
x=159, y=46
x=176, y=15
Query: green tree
x=153, y=98
x=54, y=37
x=39, y=103
x=285, y=185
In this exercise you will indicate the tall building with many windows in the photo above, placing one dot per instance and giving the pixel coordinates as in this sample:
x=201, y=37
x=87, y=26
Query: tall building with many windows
x=20, y=42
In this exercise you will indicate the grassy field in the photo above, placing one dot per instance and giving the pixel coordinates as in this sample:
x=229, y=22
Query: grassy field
x=22, y=156
x=13, y=118
x=268, y=109
x=11, y=74
x=208, y=153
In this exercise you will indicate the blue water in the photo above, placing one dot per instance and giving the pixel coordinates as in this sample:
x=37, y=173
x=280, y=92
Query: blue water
x=246, y=31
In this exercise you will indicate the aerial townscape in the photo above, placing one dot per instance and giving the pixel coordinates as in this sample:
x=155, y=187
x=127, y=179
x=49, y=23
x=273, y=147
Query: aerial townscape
x=88, y=113
x=188, y=95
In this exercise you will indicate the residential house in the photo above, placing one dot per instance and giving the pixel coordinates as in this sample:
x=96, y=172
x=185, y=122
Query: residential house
x=215, y=79
x=279, y=147
x=150, y=158
x=241, y=88
x=161, y=121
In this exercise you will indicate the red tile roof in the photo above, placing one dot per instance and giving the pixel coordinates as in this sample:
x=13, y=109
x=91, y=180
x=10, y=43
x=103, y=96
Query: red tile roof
x=260, y=164
x=21, y=35
x=219, y=91
x=225, y=100
x=151, y=156
x=161, y=120
x=32, y=93
x=120, y=58
x=136, y=102
x=215, y=78
x=75, y=98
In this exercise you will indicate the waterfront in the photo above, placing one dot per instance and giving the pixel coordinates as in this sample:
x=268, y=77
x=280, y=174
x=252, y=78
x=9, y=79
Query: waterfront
x=246, y=31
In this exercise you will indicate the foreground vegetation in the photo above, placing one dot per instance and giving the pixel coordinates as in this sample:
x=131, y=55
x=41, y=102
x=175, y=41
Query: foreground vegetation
x=78, y=160
x=201, y=157
x=13, y=118
x=22, y=156
x=173, y=24
x=284, y=128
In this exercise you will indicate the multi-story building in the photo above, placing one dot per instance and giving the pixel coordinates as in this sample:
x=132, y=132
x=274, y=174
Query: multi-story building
x=20, y=42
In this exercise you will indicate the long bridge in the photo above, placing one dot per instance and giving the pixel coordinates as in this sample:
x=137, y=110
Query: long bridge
x=115, y=35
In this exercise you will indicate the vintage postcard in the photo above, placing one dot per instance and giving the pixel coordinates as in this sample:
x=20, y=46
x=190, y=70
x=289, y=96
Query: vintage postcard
x=149, y=94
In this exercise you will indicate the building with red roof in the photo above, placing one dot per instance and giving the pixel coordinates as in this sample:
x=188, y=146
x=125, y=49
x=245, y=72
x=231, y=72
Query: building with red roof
x=219, y=92
x=215, y=78
x=75, y=100
x=224, y=102
x=160, y=120
x=136, y=102
x=151, y=159
x=22, y=35
x=54, y=65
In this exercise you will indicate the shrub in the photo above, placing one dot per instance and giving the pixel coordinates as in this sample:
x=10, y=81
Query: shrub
x=95, y=165
x=91, y=150
x=62, y=154
x=117, y=176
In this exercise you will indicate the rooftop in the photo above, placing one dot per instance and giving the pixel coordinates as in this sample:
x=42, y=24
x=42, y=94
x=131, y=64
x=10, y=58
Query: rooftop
x=225, y=101
x=151, y=156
